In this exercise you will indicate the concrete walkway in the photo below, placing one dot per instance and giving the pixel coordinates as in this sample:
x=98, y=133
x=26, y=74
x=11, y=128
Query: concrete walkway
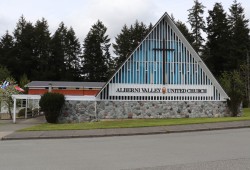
x=9, y=131
x=8, y=127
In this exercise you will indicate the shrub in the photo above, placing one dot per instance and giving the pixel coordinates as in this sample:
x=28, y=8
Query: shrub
x=51, y=104
x=234, y=86
x=21, y=112
x=35, y=111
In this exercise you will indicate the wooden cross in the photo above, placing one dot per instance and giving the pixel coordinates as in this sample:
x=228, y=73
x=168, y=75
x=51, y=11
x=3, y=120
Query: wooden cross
x=163, y=49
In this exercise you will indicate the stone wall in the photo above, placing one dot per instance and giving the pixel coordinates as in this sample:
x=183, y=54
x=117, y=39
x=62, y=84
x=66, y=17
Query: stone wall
x=160, y=109
x=79, y=111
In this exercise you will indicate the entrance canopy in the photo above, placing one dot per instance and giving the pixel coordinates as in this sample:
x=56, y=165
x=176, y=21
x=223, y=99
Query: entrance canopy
x=23, y=97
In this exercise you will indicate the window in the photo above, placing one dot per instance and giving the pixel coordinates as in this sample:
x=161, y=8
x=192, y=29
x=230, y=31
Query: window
x=22, y=103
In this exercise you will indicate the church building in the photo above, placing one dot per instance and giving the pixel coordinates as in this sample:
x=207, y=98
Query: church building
x=163, y=78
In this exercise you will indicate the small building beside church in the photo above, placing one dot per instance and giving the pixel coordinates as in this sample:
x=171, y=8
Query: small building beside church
x=65, y=87
x=162, y=78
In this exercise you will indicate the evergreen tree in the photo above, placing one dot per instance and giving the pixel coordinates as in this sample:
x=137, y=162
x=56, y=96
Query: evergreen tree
x=41, y=50
x=123, y=46
x=72, y=56
x=138, y=33
x=240, y=42
x=4, y=73
x=150, y=27
x=239, y=35
x=218, y=37
x=184, y=30
x=129, y=39
x=6, y=50
x=25, y=61
x=96, y=56
x=56, y=63
x=23, y=81
x=65, y=55
x=195, y=19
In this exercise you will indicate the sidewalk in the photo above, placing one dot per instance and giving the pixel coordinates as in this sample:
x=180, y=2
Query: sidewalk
x=8, y=127
x=15, y=135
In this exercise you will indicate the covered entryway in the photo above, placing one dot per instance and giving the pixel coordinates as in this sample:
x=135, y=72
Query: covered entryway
x=30, y=100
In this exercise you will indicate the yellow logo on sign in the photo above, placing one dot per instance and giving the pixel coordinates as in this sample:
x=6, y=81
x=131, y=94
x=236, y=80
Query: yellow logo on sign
x=164, y=90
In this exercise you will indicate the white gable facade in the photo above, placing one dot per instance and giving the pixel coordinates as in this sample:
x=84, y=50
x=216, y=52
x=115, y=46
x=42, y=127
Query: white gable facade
x=164, y=67
x=163, y=78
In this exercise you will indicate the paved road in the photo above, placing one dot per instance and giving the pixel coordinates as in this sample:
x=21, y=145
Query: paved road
x=225, y=149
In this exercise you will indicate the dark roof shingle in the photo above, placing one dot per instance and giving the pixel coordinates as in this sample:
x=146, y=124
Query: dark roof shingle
x=65, y=84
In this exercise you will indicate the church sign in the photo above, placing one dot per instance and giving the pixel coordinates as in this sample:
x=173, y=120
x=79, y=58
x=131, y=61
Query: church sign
x=159, y=90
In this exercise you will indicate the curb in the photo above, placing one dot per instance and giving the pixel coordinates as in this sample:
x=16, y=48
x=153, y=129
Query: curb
x=166, y=131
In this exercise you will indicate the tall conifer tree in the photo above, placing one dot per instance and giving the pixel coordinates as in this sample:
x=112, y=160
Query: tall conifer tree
x=96, y=56
x=218, y=37
x=41, y=50
x=7, y=57
x=239, y=35
x=65, y=58
x=56, y=62
x=129, y=39
x=72, y=56
x=240, y=42
x=195, y=19
x=184, y=30
x=24, y=48
x=122, y=47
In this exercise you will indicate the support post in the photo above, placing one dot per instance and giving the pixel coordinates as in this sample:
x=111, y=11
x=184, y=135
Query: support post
x=14, y=111
x=96, y=116
x=26, y=108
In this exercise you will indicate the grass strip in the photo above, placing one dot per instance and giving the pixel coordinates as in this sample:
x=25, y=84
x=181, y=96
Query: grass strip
x=133, y=123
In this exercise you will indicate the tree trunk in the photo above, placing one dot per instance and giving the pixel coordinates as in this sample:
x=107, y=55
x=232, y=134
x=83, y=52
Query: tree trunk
x=9, y=110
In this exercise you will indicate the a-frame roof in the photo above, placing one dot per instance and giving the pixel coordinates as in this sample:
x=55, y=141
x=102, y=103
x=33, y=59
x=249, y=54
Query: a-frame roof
x=166, y=18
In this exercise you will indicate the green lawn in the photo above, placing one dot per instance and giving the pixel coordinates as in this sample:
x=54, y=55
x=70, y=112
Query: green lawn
x=246, y=112
x=130, y=123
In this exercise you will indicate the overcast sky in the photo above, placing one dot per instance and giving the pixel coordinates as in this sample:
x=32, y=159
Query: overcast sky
x=82, y=14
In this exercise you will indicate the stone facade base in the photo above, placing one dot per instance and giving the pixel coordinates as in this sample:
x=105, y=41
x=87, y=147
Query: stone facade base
x=80, y=111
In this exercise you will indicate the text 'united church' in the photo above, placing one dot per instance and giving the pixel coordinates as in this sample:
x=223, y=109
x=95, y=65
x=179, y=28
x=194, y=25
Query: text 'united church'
x=159, y=90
